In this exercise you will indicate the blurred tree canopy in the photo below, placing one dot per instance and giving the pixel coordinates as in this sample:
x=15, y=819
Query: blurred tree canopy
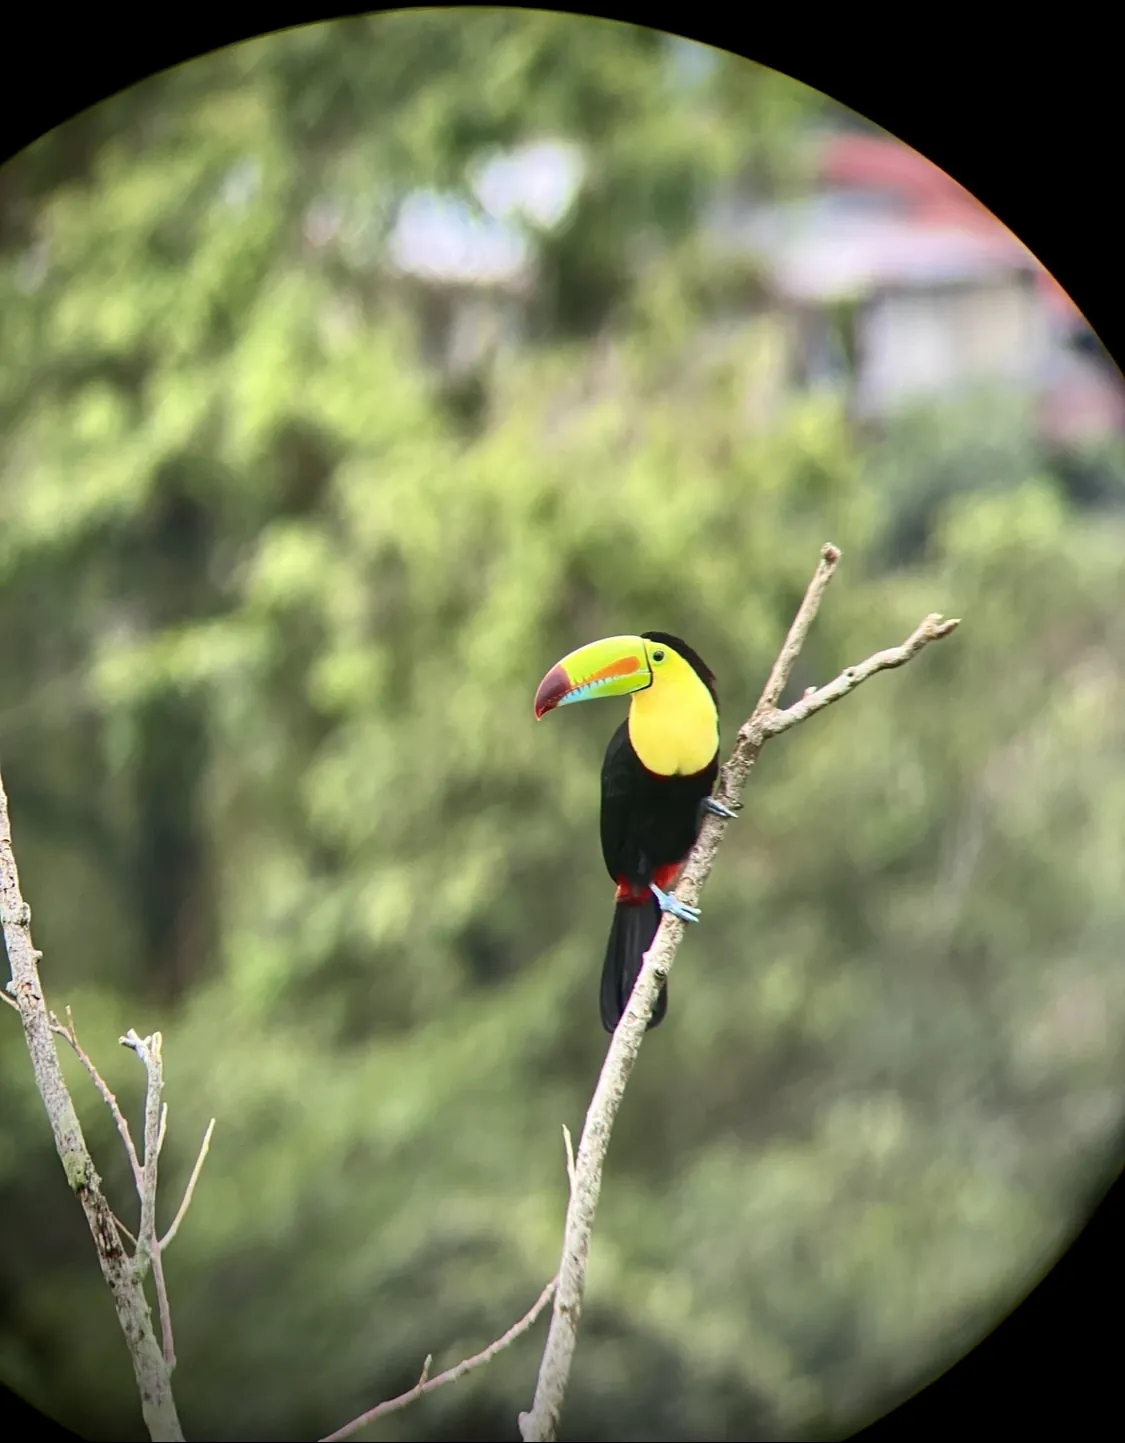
x=276, y=595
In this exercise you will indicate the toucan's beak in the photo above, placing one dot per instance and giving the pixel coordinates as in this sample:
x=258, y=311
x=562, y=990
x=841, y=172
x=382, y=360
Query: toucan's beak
x=613, y=667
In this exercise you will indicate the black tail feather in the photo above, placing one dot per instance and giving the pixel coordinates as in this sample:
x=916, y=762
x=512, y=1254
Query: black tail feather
x=634, y=927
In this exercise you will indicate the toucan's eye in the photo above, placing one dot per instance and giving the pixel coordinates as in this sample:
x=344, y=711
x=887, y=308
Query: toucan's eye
x=658, y=656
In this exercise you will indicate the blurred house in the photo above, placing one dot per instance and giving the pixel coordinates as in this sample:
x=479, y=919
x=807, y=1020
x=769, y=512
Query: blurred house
x=469, y=277
x=901, y=286
x=895, y=284
x=472, y=269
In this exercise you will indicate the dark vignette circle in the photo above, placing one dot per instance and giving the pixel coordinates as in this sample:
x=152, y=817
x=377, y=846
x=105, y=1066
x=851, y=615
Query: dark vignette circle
x=1024, y=122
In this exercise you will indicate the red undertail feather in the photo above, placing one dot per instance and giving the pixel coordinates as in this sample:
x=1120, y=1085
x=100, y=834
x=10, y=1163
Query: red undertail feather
x=664, y=877
x=636, y=918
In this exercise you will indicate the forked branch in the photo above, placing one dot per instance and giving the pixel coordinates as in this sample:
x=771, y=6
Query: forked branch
x=539, y=1425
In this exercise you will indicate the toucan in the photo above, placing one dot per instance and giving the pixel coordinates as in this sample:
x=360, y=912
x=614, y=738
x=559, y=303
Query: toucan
x=659, y=771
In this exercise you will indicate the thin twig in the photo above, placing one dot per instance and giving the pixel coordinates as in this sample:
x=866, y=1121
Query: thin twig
x=426, y=1384
x=70, y=1033
x=121, y=1228
x=539, y=1425
x=806, y=615
x=569, y=1145
x=163, y=1308
x=190, y=1189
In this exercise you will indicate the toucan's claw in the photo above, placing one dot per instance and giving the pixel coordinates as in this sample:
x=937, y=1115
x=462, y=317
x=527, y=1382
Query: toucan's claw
x=668, y=903
x=719, y=809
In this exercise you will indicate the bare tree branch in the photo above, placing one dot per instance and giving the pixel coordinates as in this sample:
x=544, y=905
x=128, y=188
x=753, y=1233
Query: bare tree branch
x=814, y=700
x=151, y=1052
x=426, y=1384
x=149, y=1367
x=540, y=1424
x=147, y=1249
x=69, y=1033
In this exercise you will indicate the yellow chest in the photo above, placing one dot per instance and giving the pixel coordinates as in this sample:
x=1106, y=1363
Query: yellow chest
x=674, y=730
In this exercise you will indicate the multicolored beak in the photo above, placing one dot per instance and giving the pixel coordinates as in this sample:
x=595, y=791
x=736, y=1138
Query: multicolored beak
x=613, y=667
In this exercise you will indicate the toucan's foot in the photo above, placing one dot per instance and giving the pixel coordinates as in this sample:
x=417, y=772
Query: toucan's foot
x=668, y=903
x=720, y=810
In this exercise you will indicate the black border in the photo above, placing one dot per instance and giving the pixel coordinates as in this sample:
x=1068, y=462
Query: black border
x=1022, y=114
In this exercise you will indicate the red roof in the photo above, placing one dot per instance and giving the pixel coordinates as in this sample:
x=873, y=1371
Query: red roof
x=930, y=197
x=872, y=162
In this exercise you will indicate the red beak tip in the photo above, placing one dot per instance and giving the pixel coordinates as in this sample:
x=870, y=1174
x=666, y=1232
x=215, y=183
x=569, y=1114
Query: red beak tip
x=552, y=689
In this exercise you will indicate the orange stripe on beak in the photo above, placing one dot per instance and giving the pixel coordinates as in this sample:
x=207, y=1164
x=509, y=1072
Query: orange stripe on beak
x=617, y=668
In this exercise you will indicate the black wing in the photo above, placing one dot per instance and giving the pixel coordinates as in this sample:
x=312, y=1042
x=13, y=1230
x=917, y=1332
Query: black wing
x=621, y=774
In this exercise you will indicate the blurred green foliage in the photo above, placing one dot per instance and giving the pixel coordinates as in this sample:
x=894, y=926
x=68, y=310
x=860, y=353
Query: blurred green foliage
x=274, y=606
